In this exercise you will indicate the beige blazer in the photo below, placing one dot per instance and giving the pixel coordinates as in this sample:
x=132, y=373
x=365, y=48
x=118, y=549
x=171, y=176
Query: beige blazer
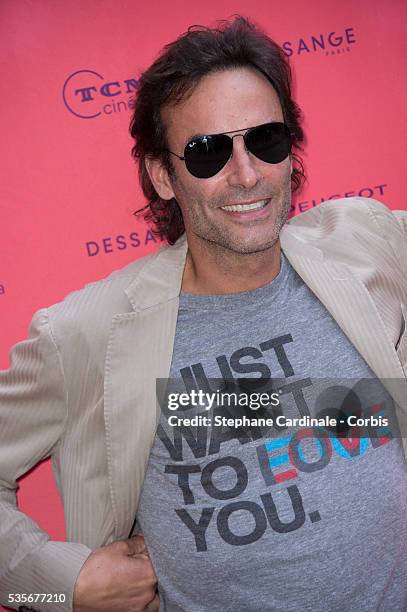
x=81, y=388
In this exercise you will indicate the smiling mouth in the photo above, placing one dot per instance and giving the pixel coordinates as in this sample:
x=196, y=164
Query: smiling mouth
x=242, y=208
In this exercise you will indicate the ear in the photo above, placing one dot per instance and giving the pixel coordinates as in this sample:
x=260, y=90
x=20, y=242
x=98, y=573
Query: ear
x=159, y=177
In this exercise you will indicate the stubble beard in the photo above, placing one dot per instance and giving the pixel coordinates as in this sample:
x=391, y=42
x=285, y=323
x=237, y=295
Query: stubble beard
x=219, y=239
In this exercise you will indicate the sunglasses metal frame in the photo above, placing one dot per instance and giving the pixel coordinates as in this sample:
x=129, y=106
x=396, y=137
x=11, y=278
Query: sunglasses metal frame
x=246, y=132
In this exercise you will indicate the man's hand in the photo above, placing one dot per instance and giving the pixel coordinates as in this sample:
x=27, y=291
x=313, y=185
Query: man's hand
x=117, y=578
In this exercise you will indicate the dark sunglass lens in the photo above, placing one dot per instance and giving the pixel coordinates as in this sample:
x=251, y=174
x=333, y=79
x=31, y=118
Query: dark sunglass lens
x=270, y=143
x=206, y=156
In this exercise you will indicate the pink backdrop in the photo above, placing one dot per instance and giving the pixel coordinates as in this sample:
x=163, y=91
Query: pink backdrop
x=69, y=185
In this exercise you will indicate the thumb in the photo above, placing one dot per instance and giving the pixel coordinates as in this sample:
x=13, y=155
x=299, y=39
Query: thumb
x=137, y=545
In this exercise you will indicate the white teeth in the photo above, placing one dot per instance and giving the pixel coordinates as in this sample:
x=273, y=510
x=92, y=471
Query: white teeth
x=245, y=207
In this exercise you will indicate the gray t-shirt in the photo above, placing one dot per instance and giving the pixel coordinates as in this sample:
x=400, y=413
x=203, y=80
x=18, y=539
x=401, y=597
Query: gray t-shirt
x=247, y=520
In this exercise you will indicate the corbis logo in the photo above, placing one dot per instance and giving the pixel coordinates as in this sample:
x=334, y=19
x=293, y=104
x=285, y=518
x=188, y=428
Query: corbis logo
x=87, y=94
x=328, y=43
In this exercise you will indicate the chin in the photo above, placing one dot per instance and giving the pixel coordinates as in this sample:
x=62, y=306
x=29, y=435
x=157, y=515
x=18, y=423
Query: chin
x=250, y=247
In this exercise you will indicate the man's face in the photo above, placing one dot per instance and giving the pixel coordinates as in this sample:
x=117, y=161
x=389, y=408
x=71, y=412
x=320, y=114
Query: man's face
x=230, y=100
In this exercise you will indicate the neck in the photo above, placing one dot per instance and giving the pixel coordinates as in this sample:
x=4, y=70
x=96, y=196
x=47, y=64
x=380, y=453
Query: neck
x=212, y=270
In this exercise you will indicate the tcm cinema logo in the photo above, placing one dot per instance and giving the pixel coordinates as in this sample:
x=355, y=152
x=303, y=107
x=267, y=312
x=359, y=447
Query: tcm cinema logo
x=87, y=94
x=328, y=43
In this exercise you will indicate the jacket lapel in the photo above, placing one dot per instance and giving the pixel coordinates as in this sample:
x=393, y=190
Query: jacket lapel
x=346, y=297
x=139, y=351
x=370, y=319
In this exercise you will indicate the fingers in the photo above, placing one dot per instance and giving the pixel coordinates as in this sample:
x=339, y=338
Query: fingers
x=154, y=605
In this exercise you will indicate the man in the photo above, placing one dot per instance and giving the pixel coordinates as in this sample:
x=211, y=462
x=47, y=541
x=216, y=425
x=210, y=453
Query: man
x=232, y=519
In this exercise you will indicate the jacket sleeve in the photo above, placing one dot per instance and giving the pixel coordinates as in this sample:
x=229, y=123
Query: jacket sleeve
x=33, y=407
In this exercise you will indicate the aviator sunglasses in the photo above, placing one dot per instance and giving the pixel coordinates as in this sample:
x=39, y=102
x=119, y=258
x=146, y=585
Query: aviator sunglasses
x=205, y=156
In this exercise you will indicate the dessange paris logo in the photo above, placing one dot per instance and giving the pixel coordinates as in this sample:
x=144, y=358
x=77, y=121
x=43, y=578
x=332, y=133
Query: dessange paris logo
x=87, y=94
x=330, y=43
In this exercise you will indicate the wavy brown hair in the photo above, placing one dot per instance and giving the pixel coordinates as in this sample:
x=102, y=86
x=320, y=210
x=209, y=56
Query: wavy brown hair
x=173, y=77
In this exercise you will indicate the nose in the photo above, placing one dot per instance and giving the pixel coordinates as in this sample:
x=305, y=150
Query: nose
x=243, y=168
